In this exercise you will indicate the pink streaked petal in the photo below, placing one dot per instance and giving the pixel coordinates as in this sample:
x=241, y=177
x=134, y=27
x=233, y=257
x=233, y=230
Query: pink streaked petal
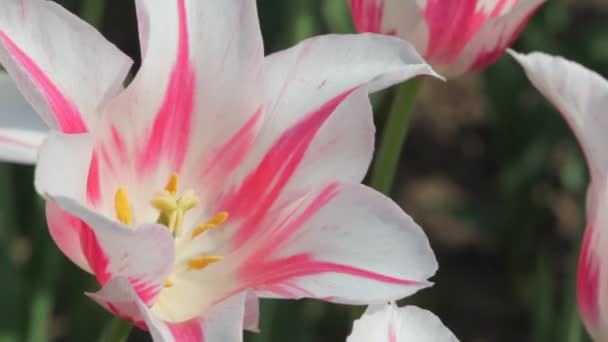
x=170, y=131
x=453, y=24
x=494, y=37
x=198, y=83
x=588, y=283
x=114, y=250
x=390, y=323
x=66, y=98
x=65, y=230
x=581, y=96
x=328, y=240
x=66, y=115
x=367, y=15
x=222, y=322
x=21, y=130
x=275, y=170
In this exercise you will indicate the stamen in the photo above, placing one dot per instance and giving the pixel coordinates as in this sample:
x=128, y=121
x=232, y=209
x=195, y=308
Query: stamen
x=172, y=184
x=123, y=207
x=199, y=263
x=164, y=202
x=218, y=219
x=168, y=283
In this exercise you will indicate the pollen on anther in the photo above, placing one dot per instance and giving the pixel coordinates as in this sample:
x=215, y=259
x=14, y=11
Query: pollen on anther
x=172, y=184
x=123, y=207
x=218, y=219
x=199, y=263
x=168, y=283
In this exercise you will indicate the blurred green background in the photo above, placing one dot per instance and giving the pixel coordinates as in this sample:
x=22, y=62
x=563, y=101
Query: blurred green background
x=490, y=170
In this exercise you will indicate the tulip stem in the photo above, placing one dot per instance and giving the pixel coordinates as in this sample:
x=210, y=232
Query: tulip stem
x=116, y=331
x=395, y=131
x=92, y=12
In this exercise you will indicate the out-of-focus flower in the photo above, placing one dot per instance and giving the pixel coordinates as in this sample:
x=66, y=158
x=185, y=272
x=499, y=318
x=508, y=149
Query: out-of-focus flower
x=581, y=96
x=216, y=170
x=455, y=36
x=390, y=323
x=21, y=130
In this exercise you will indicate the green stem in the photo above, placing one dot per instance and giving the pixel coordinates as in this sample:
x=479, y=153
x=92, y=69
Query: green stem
x=116, y=331
x=395, y=131
x=92, y=11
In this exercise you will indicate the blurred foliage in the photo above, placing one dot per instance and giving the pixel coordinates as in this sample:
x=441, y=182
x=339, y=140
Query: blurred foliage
x=523, y=271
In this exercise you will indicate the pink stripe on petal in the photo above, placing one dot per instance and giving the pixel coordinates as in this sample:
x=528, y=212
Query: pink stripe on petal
x=66, y=114
x=147, y=292
x=588, y=281
x=98, y=261
x=292, y=223
x=170, y=132
x=138, y=323
x=452, y=24
x=229, y=156
x=11, y=141
x=392, y=331
x=260, y=274
x=188, y=331
x=93, y=182
x=119, y=145
x=367, y=15
x=488, y=57
x=267, y=181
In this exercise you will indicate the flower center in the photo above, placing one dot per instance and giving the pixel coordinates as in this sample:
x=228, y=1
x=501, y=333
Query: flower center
x=172, y=209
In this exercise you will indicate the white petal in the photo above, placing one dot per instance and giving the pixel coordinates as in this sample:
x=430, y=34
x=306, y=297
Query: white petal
x=344, y=243
x=389, y=323
x=581, y=95
x=197, y=86
x=63, y=66
x=115, y=250
x=21, y=130
x=494, y=36
x=307, y=138
x=222, y=323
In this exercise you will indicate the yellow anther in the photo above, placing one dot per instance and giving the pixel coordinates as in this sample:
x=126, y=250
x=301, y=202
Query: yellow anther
x=218, y=219
x=123, y=207
x=172, y=184
x=199, y=263
x=168, y=283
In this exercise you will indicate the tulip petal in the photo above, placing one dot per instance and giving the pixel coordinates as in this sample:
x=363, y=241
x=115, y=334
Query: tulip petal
x=222, y=322
x=64, y=173
x=389, y=323
x=581, y=96
x=323, y=243
x=143, y=255
x=494, y=36
x=63, y=66
x=304, y=140
x=21, y=130
x=198, y=57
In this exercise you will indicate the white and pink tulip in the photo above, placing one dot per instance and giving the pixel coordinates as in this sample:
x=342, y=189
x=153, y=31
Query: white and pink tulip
x=455, y=36
x=217, y=175
x=581, y=96
x=390, y=323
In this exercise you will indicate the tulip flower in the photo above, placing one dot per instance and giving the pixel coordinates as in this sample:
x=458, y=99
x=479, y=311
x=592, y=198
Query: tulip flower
x=581, y=96
x=390, y=323
x=21, y=131
x=217, y=175
x=455, y=36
